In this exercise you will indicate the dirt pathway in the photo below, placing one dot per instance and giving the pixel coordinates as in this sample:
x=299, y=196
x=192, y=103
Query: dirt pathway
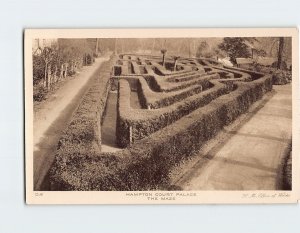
x=251, y=156
x=52, y=116
x=108, y=129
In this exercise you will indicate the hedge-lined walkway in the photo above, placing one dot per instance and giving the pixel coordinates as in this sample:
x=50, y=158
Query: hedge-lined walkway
x=251, y=157
x=52, y=117
x=108, y=129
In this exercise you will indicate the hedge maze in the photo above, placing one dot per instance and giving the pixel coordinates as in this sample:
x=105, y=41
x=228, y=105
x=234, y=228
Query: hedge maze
x=181, y=108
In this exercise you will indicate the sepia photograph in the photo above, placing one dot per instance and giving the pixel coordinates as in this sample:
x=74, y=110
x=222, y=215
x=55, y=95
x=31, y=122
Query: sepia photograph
x=160, y=116
x=149, y=117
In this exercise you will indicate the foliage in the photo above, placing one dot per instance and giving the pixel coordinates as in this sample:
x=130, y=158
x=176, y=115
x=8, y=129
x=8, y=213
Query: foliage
x=73, y=49
x=202, y=49
x=235, y=47
x=163, y=51
x=280, y=77
x=38, y=69
x=39, y=93
x=89, y=59
x=66, y=51
x=261, y=52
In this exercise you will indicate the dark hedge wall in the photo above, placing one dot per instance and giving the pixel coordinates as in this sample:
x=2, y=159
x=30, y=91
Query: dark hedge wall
x=139, y=123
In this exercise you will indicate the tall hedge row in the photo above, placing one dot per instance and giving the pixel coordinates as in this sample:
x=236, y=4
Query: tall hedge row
x=83, y=135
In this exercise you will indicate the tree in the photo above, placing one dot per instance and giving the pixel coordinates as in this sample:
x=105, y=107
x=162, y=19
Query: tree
x=281, y=48
x=163, y=51
x=235, y=47
x=202, y=47
x=175, y=61
x=218, y=53
x=280, y=52
x=47, y=56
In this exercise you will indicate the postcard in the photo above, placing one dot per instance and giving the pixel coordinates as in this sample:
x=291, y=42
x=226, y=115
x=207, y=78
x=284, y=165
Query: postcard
x=161, y=116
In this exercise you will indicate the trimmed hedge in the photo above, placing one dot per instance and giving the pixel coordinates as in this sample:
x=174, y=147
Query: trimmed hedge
x=142, y=69
x=160, y=70
x=147, y=163
x=136, y=68
x=254, y=74
x=135, y=124
x=151, y=99
x=287, y=172
x=155, y=99
x=183, y=76
x=124, y=68
x=160, y=84
x=149, y=70
x=237, y=74
x=83, y=134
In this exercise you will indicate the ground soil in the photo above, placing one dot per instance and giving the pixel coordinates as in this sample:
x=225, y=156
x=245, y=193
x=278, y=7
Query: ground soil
x=108, y=128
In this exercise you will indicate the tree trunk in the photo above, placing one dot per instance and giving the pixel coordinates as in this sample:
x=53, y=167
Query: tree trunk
x=55, y=74
x=163, y=61
x=61, y=71
x=66, y=70
x=175, y=64
x=280, y=51
x=49, y=78
x=45, y=76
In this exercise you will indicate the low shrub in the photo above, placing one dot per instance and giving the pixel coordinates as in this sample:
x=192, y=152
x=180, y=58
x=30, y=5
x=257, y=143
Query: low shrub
x=39, y=93
x=89, y=59
x=280, y=78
